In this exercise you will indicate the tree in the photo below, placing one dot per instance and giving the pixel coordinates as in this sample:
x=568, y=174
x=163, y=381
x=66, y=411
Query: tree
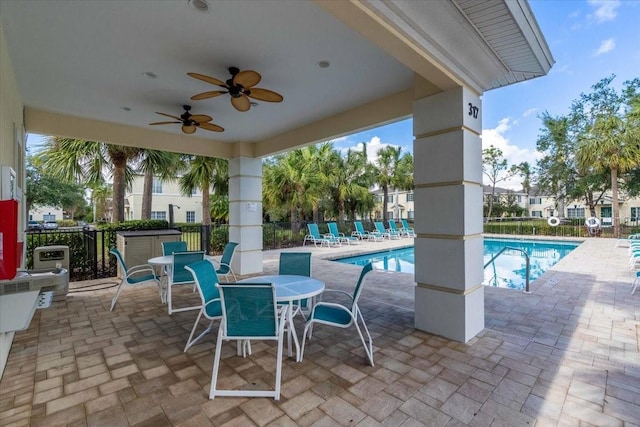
x=291, y=181
x=44, y=189
x=559, y=173
x=393, y=170
x=496, y=168
x=610, y=140
x=346, y=183
x=206, y=173
x=76, y=160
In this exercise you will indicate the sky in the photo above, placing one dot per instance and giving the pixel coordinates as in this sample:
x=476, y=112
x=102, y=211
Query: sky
x=589, y=40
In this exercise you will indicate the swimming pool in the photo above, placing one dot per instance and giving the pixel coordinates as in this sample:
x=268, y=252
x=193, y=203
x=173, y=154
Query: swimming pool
x=507, y=271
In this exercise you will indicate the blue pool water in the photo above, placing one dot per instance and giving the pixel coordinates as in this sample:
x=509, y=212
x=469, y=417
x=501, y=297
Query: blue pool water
x=507, y=271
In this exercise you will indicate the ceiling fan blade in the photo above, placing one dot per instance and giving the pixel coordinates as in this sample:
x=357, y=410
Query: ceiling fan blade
x=201, y=118
x=169, y=115
x=164, y=123
x=207, y=95
x=212, y=127
x=208, y=79
x=189, y=129
x=241, y=103
x=247, y=78
x=265, y=95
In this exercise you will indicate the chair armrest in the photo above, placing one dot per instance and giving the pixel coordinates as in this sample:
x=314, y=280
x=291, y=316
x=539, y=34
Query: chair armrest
x=338, y=291
x=211, y=302
x=139, y=269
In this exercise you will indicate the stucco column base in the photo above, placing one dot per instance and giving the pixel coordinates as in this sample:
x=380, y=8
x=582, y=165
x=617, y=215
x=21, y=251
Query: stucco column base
x=452, y=315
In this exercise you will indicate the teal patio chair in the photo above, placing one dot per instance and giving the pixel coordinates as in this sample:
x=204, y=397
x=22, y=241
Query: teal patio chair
x=394, y=230
x=298, y=264
x=249, y=312
x=338, y=315
x=136, y=275
x=206, y=279
x=178, y=275
x=168, y=248
x=381, y=231
x=361, y=233
x=333, y=230
x=317, y=239
x=224, y=266
x=409, y=230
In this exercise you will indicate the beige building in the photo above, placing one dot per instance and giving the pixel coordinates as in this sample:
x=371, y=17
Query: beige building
x=165, y=193
x=400, y=204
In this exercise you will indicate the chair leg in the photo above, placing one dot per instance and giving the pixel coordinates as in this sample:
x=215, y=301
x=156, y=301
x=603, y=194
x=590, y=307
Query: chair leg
x=191, y=342
x=368, y=348
x=635, y=285
x=216, y=364
x=307, y=327
x=115, y=297
x=169, y=297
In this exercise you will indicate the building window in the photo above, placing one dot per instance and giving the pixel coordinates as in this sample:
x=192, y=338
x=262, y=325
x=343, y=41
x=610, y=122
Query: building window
x=156, y=187
x=191, y=216
x=519, y=199
x=410, y=215
x=158, y=215
x=48, y=217
x=537, y=214
x=575, y=212
x=409, y=197
x=390, y=198
x=635, y=214
x=535, y=200
x=390, y=215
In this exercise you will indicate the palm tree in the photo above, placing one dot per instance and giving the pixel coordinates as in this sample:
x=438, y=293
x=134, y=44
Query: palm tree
x=83, y=161
x=393, y=170
x=205, y=173
x=287, y=179
x=100, y=197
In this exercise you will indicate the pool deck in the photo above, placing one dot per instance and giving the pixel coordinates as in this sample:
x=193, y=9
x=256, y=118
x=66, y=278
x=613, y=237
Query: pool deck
x=567, y=354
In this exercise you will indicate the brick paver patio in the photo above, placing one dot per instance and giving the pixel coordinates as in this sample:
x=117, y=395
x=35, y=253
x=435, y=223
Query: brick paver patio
x=566, y=354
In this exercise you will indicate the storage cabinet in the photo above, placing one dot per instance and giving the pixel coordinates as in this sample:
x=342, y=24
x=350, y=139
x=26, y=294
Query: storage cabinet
x=137, y=247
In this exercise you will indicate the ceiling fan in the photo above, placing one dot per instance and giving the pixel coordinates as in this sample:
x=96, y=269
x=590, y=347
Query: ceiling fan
x=240, y=86
x=190, y=122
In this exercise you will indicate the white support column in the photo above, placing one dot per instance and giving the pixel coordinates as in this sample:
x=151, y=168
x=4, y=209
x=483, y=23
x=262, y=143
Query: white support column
x=449, y=296
x=245, y=213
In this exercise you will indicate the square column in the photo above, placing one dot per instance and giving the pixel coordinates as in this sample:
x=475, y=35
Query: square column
x=449, y=296
x=245, y=213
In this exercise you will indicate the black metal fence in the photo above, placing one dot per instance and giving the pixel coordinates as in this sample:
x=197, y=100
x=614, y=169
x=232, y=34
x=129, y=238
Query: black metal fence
x=90, y=258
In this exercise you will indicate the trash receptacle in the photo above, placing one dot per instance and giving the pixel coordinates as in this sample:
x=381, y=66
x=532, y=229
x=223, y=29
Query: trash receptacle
x=50, y=257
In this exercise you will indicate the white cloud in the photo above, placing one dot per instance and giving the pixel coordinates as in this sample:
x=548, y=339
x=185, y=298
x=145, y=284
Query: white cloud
x=514, y=155
x=605, y=10
x=529, y=112
x=373, y=145
x=605, y=46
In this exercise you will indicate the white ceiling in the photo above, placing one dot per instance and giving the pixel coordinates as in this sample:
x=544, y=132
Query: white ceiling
x=87, y=59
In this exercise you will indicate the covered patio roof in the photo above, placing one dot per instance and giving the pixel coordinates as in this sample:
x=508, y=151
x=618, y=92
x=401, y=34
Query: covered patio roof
x=85, y=69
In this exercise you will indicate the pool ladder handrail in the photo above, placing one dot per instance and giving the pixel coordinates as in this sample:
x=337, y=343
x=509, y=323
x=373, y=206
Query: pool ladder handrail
x=526, y=256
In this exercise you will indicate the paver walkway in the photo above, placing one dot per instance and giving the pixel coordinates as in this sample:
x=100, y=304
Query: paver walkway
x=566, y=354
